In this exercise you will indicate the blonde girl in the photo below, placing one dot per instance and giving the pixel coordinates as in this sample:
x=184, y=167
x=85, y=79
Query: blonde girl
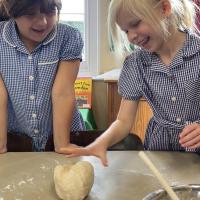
x=164, y=69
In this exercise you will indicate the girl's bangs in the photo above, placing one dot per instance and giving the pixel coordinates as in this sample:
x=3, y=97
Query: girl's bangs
x=27, y=7
x=50, y=5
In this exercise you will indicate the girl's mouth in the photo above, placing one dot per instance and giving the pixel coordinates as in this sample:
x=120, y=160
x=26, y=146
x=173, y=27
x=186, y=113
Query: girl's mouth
x=143, y=42
x=40, y=31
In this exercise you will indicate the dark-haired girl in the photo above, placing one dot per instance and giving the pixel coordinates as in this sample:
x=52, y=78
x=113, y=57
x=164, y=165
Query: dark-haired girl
x=39, y=62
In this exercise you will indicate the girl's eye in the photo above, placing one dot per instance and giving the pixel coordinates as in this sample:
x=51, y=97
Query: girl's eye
x=30, y=14
x=136, y=24
x=51, y=13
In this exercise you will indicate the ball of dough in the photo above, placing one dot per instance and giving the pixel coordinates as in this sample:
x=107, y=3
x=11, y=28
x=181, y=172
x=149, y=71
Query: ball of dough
x=74, y=182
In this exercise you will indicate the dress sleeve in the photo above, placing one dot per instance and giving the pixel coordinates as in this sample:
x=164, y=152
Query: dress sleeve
x=129, y=80
x=72, y=45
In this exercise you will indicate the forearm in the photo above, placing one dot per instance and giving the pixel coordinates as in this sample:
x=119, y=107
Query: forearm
x=115, y=133
x=3, y=118
x=63, y=106
x=121, y=126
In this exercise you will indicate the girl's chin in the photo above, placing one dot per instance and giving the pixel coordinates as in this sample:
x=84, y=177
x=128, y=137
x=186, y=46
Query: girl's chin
x=39, y=36
x=37, y=39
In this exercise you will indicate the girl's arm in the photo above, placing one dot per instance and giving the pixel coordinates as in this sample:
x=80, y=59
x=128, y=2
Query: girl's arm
x=3, y=117
x=63, y=102
x=116, y=132
x=121, y=127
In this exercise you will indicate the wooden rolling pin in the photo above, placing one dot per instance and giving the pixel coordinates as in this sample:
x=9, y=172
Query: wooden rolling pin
x=158, y=175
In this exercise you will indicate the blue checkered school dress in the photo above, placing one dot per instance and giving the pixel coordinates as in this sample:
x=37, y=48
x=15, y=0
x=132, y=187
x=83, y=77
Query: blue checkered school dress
x=173, y=92
x=29, y=77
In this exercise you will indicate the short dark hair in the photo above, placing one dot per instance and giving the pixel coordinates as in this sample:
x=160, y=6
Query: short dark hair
x=17, y=8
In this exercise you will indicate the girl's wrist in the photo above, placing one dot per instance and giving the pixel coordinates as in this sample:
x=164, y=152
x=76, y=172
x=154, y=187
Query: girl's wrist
x=58, y=145
x=61, y=140
x=100, y=142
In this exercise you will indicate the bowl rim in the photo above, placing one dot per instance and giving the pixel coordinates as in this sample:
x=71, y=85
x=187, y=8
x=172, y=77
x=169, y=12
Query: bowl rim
x=158, y=192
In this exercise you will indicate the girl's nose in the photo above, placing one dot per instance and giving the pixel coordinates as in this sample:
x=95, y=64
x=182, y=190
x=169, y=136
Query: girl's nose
x=132, y=35
x=42, y=19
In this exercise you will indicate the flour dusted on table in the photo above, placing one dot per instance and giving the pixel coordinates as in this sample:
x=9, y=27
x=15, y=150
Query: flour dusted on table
x=73, y=182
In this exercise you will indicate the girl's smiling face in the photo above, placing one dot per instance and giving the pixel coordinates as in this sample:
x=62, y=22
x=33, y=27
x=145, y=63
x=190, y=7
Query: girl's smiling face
x=35, y=26
x=139, y=32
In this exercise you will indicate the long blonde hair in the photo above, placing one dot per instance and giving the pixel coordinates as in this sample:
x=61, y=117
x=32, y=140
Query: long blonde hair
x=182, y=16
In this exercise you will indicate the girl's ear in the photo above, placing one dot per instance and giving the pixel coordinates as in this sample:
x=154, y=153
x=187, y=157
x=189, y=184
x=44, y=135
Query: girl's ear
x=166, y=8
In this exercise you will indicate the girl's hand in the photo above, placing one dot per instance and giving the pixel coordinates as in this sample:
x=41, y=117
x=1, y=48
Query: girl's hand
x=68, y=148
x=91, y=150
x=190, y=136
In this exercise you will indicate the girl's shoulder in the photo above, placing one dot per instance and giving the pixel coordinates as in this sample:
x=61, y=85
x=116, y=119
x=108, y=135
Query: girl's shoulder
x=192, y=44
x=139, y=56
x=192, y=35
x=67, y=29
x=69, y=40
x=68, y=35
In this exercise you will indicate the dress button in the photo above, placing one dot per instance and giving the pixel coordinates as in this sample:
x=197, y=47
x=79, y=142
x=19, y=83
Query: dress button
x=34, y=115
x=178, y=119
x=30, y=57
x=170, y=75
x=31, y=78
x=36, y=131
x=173, y=99
x=32, y=97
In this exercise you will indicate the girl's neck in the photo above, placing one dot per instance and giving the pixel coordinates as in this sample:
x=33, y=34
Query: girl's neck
x=171, y=47
x=30, y=46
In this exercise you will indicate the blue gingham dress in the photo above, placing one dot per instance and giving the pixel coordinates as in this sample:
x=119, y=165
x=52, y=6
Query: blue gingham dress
x=173, y=92
x=29, y=77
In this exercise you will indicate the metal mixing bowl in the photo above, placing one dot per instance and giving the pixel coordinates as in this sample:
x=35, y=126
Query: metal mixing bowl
x=184, y=192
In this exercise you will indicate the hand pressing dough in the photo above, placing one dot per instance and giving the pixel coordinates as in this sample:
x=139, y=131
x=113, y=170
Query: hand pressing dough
x=73, y=182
